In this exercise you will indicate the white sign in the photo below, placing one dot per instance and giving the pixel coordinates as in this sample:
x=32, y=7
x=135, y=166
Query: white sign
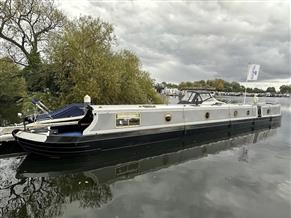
x=253, y=72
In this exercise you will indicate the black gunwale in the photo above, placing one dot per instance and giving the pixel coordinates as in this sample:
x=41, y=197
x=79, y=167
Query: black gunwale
x=68, y=145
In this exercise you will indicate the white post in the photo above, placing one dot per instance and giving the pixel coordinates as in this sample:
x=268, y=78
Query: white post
x=245, y=96
x=87, y=100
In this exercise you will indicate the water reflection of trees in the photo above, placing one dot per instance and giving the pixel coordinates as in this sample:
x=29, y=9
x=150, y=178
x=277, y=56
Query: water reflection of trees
x=46, y=197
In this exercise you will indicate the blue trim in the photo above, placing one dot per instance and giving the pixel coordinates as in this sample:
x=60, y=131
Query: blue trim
x=74, y=134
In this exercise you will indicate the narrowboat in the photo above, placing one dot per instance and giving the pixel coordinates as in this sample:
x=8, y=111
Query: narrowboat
x=108, y=127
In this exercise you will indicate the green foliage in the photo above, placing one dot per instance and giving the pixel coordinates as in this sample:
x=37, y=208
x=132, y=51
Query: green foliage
x=85, y=63
x=249, y=90
x=169, y=85
x=222, y=85
x=236, y=87
x=271, y=89
x=257, y=90
x=8, y=113
x=216, y=84
x=24, y=28
x=12, y=84
x=185, y=85
x=41, y=79
x=285, y=89
x=46, y=97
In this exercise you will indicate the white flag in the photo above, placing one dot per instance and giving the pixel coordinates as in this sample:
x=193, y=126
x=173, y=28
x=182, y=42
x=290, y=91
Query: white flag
x=253, y=72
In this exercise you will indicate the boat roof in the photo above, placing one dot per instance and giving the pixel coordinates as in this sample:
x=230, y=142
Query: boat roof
x=133, y=106
x=157, y=106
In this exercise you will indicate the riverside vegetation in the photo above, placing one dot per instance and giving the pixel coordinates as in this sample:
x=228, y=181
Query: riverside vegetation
x=224, y=86
x=59, y=61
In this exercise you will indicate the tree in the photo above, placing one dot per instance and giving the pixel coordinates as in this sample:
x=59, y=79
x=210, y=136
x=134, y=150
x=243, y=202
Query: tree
x=25, y=24
x=199, y=84
x=24, y=27
x=271, y=89
x=85, y=63
x=136, y=85
x=285, y=89
x=228, y=87
x=219, y=84
x=45, y=196
x=257, y=90
x=169, y=85
x=249, y=90
x=12, y=84
x=236, y=87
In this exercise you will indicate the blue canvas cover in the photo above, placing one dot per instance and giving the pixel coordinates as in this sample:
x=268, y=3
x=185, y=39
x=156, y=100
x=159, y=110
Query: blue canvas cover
x=71, y=110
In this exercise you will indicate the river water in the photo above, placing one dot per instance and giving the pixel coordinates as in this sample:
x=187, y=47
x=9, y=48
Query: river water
x=244, y=176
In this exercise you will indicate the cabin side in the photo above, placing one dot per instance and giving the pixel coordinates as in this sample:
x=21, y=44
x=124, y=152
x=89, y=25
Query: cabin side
x=108, y=119
x=269, y=110
x=124, y=119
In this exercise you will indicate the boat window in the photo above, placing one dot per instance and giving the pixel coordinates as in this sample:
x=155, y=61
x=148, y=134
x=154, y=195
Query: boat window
x=127, y=119
x=197, y=99
x=259, y=112
x=206, y=96
x=188, y=96
x=192, y=97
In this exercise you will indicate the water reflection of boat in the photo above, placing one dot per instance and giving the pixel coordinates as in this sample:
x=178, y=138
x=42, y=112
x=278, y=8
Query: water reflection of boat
x=43, y=186
x=127, y=163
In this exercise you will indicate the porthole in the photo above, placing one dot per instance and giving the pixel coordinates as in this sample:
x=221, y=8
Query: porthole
x=268, y=111
x=168, y=117
x=207, y=115
x=248, y=112
x=235, y=113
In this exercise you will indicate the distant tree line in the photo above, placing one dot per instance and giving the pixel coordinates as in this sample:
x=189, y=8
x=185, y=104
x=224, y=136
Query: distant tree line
x=223, y=86
x=47, y=56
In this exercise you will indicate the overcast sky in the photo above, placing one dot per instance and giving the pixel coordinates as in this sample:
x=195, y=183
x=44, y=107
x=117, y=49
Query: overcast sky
x=193, y=40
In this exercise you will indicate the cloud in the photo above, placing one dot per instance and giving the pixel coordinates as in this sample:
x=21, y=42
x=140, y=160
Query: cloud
x=193, y=40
